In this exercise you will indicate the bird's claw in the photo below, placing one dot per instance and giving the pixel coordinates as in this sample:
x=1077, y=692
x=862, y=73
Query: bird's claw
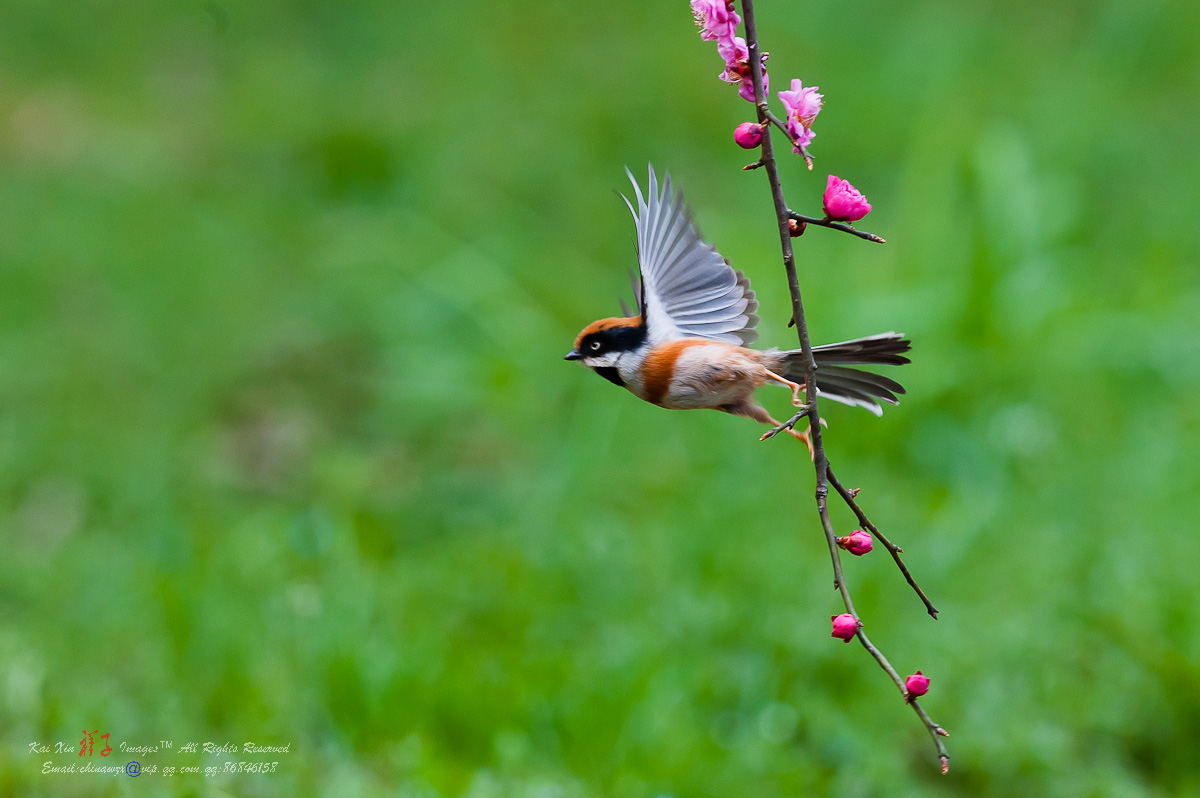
x=806, y=438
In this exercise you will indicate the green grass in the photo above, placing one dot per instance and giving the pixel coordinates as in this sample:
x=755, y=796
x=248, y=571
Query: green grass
x=288, y=452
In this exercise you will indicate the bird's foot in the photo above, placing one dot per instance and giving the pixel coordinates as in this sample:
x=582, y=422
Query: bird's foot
x=805, y=438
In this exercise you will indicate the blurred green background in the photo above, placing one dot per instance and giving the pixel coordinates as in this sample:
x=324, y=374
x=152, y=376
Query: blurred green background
x=288, y=452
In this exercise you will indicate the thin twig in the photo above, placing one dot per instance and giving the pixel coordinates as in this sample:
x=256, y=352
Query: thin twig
x=848, y=497
x=832, y=225
x=789, y=424
x=777, y=122
x=820, y=461
x=936, y=732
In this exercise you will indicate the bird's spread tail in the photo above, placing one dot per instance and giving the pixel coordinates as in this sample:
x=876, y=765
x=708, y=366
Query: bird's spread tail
x=851, y=386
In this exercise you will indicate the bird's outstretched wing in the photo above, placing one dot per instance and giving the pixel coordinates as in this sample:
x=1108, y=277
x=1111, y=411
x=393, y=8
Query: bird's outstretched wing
x=687, y=288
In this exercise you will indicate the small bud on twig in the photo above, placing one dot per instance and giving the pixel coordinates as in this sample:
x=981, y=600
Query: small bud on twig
x=748, y=135
x=915, y=686
x=857, y=543
x=845, y=626
x=795, y=230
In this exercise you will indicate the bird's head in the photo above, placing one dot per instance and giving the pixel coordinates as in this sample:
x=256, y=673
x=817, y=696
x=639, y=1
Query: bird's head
x=600, y=344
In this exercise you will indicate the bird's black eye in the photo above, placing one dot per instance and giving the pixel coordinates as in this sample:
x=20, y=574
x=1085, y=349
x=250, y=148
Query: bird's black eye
x=594, y=346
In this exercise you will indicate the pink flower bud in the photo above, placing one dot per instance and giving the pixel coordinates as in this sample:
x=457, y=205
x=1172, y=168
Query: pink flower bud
x=915, y=685
x=845, y=626
x=843, y=202
x=857, y=543
x=796, y=229
x=748, y=135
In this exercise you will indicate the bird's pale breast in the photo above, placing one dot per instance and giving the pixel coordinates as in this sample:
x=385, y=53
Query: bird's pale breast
x=696, y=373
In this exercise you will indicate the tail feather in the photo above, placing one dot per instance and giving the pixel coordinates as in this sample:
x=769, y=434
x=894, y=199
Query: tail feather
x=875, y=384
x=883, y=349
x=855, y=387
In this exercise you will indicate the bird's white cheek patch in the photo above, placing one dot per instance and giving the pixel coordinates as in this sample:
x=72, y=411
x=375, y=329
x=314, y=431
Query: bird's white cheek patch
x=608, y=360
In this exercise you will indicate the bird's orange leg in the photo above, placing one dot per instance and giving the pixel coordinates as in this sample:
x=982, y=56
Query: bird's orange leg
x=803, y=437
x=760, y=414
x=796, y=387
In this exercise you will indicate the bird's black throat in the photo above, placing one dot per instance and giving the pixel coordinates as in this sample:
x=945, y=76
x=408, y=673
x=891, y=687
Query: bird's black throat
x=611, y=374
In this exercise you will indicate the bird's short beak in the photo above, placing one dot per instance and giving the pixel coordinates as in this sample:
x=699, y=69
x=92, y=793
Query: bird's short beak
x=573, y=355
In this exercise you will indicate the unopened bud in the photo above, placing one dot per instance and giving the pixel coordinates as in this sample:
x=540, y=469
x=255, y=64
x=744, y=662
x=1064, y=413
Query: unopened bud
x=748, y=135
x=857, y=543
x=845, y=626
x=796, y=228
x=915, y=685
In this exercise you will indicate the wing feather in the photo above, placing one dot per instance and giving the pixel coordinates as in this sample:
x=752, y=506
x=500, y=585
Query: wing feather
x=687, y=289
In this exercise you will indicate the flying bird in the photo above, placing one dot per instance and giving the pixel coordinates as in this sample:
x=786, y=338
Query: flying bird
x=686, y=347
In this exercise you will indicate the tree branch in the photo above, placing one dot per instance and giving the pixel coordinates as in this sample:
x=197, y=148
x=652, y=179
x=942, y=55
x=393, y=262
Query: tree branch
x=852, y=503
x=820, y=461
x=832, y=225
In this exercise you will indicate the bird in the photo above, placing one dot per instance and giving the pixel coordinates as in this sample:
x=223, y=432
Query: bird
x=687, y=346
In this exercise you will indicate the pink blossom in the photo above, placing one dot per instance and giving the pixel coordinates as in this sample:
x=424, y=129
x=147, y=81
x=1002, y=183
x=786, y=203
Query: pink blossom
x=802, y=106
x=716, y=18
x=845, y=626
x=737, y=67
x=801, y=137
x=857, y=543
x=915, y=685
x=748, y=135
x=843, y=202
